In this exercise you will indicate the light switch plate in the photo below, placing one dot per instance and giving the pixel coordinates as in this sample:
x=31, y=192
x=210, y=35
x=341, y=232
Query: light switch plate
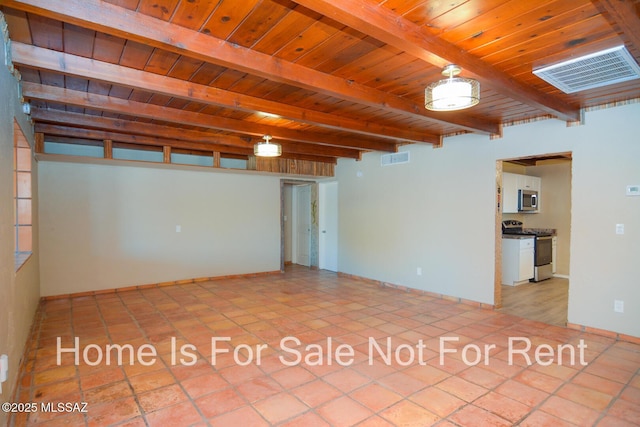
x=618, y=306
x=633, y=190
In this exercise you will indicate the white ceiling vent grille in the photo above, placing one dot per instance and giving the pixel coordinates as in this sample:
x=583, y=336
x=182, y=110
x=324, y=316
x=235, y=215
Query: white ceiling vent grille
x=394, y=158
x=587, y=72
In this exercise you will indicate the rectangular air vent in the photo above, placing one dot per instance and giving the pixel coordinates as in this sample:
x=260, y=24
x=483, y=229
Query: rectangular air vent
x=602, y=68
x=394, y=158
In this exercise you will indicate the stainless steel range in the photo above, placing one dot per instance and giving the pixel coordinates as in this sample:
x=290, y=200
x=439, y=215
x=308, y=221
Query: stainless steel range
x=543, y=248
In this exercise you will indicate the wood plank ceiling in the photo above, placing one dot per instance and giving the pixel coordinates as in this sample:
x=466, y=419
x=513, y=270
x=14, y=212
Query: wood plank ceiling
x=327, y=79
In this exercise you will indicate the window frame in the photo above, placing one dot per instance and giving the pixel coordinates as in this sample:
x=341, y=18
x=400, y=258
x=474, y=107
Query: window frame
x=22, y=196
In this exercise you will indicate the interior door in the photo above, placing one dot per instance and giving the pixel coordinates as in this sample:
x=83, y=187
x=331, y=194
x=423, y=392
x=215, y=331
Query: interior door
x=303, y=224
x=328, y=240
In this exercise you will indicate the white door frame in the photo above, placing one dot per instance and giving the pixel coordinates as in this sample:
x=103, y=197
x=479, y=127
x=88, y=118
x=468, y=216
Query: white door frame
x=291, y=217
x=298, y=203
x=328, y=218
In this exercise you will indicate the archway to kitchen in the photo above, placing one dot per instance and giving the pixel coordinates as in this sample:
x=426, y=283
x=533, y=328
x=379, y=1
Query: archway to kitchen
x=521, y=287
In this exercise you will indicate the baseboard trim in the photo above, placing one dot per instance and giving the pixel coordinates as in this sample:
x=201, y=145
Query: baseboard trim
x=159, y=285
x=604, y=332
x=418, y=291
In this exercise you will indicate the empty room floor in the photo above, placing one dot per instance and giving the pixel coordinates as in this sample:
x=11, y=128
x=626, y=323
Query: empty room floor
x=311, y=348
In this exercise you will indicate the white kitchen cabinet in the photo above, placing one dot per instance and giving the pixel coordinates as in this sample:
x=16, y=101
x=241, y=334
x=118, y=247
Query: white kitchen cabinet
x=511, y=183
x=509, y=193
x=517, y=260
x=527, y=182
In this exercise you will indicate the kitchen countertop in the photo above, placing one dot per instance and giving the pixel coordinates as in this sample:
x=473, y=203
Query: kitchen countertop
x=551, y=231
x=533, y=231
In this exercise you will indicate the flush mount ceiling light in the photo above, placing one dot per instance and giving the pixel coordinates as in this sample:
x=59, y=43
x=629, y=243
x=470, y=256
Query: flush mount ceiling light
x=452, y=93
x=267, y=149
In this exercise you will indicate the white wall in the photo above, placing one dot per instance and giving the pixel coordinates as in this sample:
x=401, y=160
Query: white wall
x=106, y=226
x=437, y=213
x=424, y=214
x=19, y=291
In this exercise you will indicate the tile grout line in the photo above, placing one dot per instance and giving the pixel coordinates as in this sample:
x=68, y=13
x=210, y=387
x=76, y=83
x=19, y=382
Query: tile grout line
x=168, y=368
x=124, y=372
x=301, y=298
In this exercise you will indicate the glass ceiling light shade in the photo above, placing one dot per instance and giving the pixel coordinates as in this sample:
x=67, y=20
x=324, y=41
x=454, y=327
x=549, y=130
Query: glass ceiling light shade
x=267, y=149
x=452, y=93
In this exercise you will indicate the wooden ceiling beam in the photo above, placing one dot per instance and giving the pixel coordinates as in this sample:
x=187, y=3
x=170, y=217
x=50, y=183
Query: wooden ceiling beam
x=114, y=20
x=148, y=129
x=36, y=57
x=62, y=132
x=624, y=18
x=85, y=136
x=375, y=20
x=156, y=112
x=67, y=135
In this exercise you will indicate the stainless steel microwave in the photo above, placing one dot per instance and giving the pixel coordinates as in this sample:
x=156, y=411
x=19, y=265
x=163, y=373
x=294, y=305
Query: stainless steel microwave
x=527, y=201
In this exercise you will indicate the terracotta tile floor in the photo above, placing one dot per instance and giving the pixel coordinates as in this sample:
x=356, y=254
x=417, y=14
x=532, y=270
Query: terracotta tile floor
x=342, y=378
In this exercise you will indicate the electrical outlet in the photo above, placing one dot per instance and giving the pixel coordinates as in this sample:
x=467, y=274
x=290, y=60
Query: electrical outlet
x=178, y=229
x=618, y=306
x=619, y=228
x=4, y=369
x=419, y=271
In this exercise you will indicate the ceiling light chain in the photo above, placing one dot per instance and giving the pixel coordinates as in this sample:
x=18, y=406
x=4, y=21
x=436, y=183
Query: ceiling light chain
x=452, y=93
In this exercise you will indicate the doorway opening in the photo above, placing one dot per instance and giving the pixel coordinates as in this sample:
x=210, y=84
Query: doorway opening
x=544, y=300
x=309, y=224
x=298, y=234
